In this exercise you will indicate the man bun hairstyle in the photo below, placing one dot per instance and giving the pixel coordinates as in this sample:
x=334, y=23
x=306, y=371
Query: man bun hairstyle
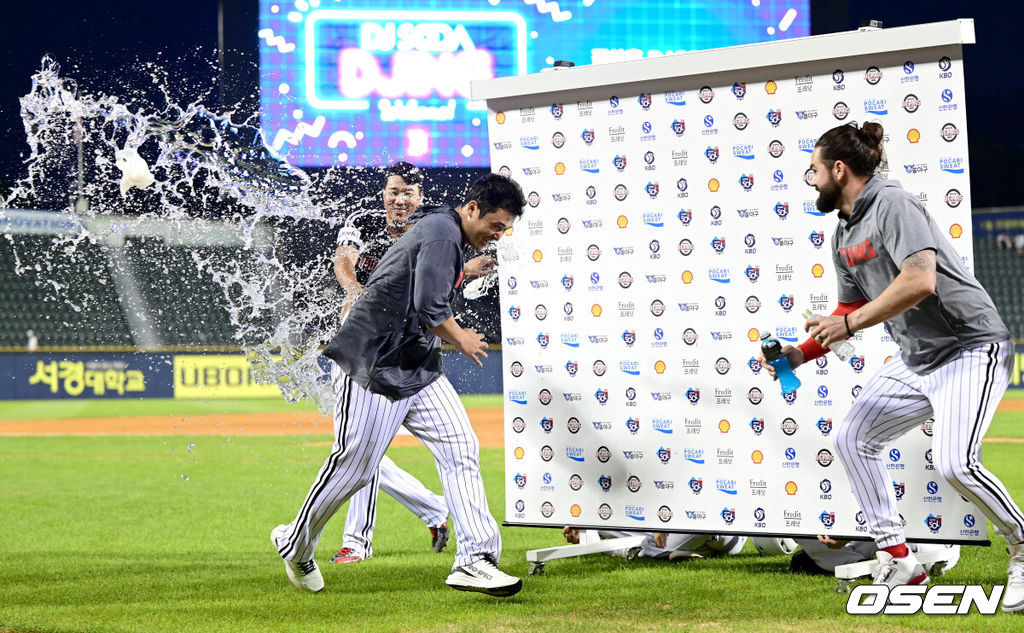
x=408, y=172
x=860, y=149
x=493, y=192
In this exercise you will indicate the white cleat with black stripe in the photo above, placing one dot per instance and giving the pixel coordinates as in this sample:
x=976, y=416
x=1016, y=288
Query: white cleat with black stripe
x=305, y=574
x=484, y=576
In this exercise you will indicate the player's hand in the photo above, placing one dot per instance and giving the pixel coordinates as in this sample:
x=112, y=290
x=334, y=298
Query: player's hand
x=659, y=540
x=479, y=267
x=794, y=355
x=571, y=534
x=830, y=542
x=826, y=330
x=472, y=344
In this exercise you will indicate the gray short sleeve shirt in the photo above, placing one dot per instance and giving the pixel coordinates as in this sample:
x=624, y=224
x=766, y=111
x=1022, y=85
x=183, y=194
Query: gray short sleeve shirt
x=888, y=225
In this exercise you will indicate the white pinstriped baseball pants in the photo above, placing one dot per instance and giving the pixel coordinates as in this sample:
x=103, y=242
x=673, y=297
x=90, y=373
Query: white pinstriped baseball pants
x=405, y=489
x=364, y=425
x=962, y=396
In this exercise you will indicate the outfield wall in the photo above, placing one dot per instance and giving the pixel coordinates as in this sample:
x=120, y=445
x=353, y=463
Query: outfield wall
x=72, y=375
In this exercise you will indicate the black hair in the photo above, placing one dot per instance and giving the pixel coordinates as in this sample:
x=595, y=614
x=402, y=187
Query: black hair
x=493, y=192
x=859, y=149
x=408, y=172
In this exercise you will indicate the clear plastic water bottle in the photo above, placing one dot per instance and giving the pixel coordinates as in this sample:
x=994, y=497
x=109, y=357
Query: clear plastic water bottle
x=843, y=349
x=771, y=348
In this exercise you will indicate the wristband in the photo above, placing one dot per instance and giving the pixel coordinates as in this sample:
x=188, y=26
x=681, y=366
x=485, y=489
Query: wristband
x=846, y=320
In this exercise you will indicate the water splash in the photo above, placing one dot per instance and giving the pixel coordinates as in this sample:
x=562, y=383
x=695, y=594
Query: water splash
x=170, y=163
x=146, y=161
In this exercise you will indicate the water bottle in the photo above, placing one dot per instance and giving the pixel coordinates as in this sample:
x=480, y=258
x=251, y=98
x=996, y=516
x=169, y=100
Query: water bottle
x=842, y=349
x=772, y=350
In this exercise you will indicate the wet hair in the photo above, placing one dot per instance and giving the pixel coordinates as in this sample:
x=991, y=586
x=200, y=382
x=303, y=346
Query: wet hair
x=408, y=172
x=860, y=149
x=493, y=192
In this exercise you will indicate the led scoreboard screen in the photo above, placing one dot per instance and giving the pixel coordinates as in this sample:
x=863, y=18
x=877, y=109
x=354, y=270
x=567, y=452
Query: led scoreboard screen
x=368, y=82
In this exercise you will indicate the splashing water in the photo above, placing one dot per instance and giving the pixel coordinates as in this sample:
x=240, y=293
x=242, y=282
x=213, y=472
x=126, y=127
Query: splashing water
x=166, y=164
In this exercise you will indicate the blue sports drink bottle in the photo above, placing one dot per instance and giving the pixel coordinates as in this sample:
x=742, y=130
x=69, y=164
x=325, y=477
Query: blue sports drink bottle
x=772, y=350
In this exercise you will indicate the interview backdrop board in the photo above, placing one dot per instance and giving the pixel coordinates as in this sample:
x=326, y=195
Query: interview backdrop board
x=669, y=223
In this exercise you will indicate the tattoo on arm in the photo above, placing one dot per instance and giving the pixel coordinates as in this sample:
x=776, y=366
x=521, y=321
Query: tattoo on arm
x=921, y=261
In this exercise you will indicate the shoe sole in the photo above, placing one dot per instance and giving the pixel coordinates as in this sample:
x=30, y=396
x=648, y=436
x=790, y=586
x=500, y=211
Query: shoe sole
x=498, y=592
x=1013, y=608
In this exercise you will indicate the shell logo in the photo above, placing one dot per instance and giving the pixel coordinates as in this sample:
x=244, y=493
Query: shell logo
x=538, y=255
x=559, y=168
x=770, y=87
x=622, y=221
x=659, y=367
x=509, y=230
x=575, y=510
x=956, y=231
x=596, y=309
x=757, y=457
x=753, y=335
x=791, y=488
x=887, y=359
x=913, y=135
x=817, y=270
x=713, y=185
x=500, y=118
x=687, y=277
x=724, y=426
x=519, y=452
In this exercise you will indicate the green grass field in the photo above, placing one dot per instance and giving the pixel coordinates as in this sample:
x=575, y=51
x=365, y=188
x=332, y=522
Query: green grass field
x=171, y=533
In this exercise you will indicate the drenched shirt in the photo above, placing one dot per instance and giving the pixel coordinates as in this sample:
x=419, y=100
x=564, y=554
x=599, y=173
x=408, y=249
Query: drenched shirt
x=366, y=232
x=385, y=343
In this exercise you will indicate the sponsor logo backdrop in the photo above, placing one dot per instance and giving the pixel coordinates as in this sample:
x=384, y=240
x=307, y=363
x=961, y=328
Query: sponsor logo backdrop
x=665, y=231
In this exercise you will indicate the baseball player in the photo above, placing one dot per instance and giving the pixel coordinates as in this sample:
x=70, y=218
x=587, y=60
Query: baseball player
x=894, y=265
x=362, y=242
x=387, y=373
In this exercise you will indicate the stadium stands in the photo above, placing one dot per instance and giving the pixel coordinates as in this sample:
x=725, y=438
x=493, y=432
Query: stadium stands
x=185, y=307
x=1001, y=272
x=65, y=296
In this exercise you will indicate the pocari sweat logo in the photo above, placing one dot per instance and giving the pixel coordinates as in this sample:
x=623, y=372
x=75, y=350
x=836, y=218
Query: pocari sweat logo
x=746, y=152
x=952, y=165
x=695, y=455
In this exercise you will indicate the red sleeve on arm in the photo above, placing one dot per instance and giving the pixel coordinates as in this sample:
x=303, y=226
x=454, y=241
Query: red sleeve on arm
x=810, y=347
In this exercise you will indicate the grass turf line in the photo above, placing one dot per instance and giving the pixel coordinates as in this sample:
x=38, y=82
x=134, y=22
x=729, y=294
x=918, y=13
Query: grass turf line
x=107, y=535
x=98, y=408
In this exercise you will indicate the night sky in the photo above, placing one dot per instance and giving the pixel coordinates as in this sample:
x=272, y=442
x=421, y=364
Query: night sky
x=97, y=41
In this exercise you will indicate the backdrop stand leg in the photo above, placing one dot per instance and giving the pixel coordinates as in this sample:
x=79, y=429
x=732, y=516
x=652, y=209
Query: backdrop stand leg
x=590, y=543
x=934, y=561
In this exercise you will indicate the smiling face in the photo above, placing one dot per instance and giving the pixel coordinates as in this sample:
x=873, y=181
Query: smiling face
x=481, y=230
x=825, y=183
x=400, y=199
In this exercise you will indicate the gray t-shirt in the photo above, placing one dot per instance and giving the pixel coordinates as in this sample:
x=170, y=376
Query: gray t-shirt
x=886, y=226
x=385, y=344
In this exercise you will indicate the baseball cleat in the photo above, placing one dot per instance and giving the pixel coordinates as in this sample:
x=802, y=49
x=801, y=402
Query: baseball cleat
x=484, y=576
x=346, y=555
x=894, y=572
x=439, y=537
x=304, y=575
x=1013, y=597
